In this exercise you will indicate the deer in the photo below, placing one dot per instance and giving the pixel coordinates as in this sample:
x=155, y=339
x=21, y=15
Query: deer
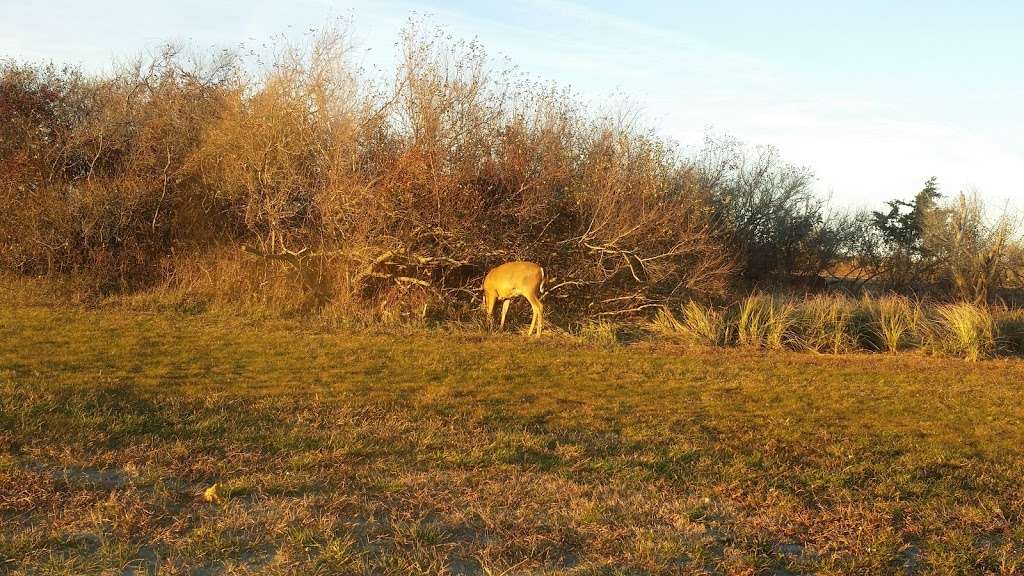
x=513, y=279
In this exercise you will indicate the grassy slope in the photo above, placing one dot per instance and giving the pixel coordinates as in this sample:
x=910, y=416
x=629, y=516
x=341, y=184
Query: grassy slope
x=427, y=452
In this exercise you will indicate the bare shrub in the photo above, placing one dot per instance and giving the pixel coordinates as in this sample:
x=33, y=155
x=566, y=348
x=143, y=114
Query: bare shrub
x=457, y=171
x=974, y=253
x=389, y=197
x=107, y=194
x=777, y=226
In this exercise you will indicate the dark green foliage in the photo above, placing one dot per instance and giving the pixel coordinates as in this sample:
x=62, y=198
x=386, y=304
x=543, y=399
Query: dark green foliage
x=902, y=227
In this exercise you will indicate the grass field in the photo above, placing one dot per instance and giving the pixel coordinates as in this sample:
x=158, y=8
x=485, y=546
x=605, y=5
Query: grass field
x=416, y=451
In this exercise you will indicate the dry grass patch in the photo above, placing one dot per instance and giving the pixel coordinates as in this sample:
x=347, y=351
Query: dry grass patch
x=411, y=451
x=824, y=324
x=697, y=325
x=893, y=323
x=764, y=322
x=963, y=330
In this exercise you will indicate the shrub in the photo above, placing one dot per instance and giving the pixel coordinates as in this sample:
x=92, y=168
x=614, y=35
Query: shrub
x=1010, y=330
x=974, y=252
x=778, y=227
x=93, y=176
x=405, y=192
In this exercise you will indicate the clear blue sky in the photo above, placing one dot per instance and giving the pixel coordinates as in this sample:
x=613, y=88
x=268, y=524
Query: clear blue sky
x=874, y=96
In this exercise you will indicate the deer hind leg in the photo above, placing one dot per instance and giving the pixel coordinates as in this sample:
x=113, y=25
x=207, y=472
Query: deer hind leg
x=504, y=311
x=489, y=302
x=538, y=314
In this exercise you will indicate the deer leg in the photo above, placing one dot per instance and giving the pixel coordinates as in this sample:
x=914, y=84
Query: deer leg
x=504, y=311
x=489, y=301
x=538, y=314
x=540, y=318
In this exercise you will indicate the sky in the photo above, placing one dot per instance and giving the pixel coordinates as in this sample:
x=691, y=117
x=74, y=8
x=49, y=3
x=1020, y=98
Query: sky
x=874, y=96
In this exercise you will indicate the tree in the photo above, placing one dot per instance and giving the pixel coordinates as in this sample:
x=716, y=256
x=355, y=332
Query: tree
x=903, y=230
x=905, y=260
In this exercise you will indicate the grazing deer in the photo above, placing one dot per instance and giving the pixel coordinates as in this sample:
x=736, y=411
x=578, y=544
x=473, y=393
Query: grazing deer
x=513, y=279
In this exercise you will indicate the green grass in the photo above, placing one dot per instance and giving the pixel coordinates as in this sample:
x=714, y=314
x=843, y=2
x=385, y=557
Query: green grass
x=396, y=451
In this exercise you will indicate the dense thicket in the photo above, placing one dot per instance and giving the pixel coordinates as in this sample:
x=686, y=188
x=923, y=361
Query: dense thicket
x=397, y=193
x=367, y=189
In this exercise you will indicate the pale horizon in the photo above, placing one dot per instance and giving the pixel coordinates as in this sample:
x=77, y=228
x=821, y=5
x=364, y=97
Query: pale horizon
x=874, y=99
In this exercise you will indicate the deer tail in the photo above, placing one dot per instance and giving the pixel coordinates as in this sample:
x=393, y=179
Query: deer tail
x=542, y=277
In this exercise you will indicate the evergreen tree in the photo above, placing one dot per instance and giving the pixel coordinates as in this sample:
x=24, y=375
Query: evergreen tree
x=903, y=231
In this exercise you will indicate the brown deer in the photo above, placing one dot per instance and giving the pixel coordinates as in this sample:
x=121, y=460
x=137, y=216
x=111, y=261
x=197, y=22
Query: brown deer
x=513, y=279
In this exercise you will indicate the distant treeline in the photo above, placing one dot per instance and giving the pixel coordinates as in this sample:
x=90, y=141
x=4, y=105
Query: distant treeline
x=395, y=195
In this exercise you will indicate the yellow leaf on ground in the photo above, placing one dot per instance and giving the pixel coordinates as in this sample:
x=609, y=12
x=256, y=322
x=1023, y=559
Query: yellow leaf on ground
x=211, y=495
